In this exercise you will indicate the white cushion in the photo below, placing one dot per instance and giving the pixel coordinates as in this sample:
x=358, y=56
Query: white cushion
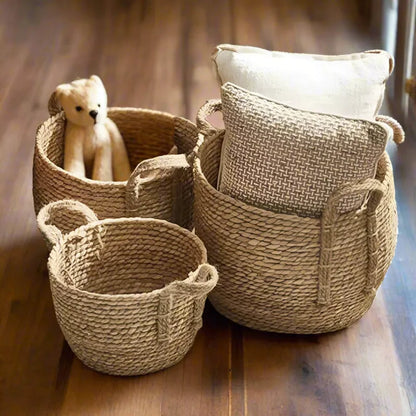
x=345, y=85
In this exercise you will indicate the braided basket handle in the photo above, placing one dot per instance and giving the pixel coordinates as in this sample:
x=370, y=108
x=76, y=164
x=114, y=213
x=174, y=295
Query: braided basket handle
x=54, y=107
x=210, y=107
x=170, y=175
x=197, y=286
x=328, y=223
x=199, y=282
x=398, y=132
x=58, y=218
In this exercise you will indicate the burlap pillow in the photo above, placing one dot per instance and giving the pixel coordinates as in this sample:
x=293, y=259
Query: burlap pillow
x=288, y=160
x=346, y=85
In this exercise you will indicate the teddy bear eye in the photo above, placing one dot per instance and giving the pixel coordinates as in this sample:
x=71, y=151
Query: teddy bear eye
x=99, y=105
x=78, y=108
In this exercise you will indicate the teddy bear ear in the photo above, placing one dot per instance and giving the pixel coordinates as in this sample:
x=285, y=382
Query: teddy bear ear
x=61, y=90
x=96, y=79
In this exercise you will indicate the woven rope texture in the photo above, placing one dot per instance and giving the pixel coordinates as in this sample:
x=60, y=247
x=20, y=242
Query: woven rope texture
x=162, y=189
x=292, y=274
x=128, y=293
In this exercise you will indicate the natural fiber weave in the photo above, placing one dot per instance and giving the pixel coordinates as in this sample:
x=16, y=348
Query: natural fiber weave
x=292, y=274
x=128, y=293
x=288, y=160
x=161, y=187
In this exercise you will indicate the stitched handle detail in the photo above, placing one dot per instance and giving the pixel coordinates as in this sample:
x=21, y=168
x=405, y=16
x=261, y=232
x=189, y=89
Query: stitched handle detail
x=210, y=107
x=164, y=316
x=328, y=225
x=161, y=188
x=197, y=286
x=398, y=132
x=59, y=218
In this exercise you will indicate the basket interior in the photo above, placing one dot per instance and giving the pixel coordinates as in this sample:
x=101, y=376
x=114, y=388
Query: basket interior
x=146, y=133
x=132, y=257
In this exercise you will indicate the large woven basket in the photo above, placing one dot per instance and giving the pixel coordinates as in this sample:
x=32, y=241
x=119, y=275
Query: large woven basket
x=160, y=186
x=128, y=293
x=285, y=273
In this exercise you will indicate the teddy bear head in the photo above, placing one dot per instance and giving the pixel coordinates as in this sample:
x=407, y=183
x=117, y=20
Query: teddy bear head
x=84, y=101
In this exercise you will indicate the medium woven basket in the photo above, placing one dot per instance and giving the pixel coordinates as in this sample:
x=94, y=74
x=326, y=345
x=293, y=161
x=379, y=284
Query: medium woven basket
x=128, y=293
x=161, y=185
x=290, y=274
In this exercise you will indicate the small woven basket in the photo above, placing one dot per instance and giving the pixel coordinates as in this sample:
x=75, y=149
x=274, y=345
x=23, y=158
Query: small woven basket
x=290, y=274
x=161, y=185
x=128, y=293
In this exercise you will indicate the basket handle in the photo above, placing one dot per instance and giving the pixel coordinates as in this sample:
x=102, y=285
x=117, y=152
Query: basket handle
x=197, y=286
x=54, y=107
x=328, y=225
x=398, y=132
x=167, y=175
x=210, y=107
x=60, y=217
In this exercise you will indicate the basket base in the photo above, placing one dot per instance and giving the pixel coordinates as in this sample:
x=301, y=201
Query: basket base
x=130, y=366
x=285, y=327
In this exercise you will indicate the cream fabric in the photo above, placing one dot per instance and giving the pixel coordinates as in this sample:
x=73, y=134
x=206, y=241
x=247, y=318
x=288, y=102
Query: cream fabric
x=290, y=161
x=346, y=85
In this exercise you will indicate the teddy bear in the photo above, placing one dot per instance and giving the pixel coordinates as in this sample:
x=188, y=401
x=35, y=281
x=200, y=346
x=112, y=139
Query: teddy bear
x=94, y=147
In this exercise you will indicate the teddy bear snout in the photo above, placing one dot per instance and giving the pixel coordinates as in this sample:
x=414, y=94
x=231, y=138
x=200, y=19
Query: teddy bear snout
x=93, y=114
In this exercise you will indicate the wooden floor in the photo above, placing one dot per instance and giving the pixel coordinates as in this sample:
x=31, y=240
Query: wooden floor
x=155, y=54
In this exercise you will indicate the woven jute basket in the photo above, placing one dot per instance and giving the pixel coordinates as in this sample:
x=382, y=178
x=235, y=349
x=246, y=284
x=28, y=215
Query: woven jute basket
x=129, y=292
x=160, y=186
x=291, y=274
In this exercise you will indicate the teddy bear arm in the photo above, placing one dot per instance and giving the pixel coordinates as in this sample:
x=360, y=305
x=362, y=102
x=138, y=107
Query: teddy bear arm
x=120, y=159
x=73, y=153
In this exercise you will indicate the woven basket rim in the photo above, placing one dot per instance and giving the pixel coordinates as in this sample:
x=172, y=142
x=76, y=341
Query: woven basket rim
x=61, y=116
x=59, y=247
x=260, y=211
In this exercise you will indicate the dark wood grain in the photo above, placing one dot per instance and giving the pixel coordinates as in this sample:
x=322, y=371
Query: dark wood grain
x=155, y=54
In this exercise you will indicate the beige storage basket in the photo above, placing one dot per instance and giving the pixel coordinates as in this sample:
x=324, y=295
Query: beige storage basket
x=128, y=293
x=286, y=273
x=160, y=186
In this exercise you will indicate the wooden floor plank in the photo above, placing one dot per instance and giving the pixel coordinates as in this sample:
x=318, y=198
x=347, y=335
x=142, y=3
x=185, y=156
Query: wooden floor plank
x=200, y=384
x=399, y=287
x=349, y=372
